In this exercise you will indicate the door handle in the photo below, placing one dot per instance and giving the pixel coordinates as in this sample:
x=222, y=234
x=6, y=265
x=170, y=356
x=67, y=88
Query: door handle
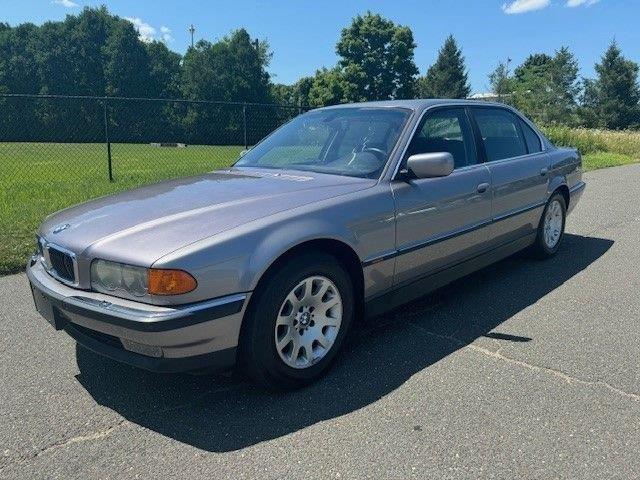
x=544, y=171
x=483, y=187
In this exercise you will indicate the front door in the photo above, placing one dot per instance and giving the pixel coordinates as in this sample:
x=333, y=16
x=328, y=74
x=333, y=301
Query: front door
x=442, y=221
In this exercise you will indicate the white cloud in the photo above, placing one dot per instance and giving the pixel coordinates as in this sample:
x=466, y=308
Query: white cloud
x=146, y=32
x=578, y=3
x=523, y=6
x=166, y=34
x=65, y=3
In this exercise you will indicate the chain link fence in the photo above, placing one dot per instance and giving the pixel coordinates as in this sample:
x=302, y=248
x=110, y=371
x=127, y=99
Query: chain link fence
x=57, y=151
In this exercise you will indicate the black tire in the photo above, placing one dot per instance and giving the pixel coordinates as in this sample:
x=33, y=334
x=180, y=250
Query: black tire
x=258, y=353
x=540, y=248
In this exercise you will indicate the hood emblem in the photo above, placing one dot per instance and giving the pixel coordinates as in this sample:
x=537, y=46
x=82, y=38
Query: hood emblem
x=60, y=228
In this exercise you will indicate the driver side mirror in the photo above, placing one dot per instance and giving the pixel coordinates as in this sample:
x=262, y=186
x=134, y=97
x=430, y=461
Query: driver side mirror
x=430, y=165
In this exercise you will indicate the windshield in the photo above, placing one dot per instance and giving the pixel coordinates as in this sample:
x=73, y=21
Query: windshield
x=343, y=141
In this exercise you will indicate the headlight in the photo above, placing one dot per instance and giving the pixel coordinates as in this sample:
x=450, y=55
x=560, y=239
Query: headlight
x=109, y=277
x=135, y=280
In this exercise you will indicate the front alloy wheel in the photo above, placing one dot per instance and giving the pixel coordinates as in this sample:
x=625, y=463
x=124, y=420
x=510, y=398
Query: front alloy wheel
x=298, y=318
x=308, y=322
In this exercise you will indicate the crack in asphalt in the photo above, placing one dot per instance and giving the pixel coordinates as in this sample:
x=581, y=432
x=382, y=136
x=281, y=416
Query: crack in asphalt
x=539, y=368
x=600, y=229
x=98, y=434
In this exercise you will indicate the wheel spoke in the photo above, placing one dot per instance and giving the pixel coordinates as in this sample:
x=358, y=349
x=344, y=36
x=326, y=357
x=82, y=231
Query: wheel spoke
x=286, y=340
x=324, y=286
x=326, y=321
x=308, y=289
x=331, y=302
x=293, y=300
x=308, y=348
x=284, y=320
x=323, y=341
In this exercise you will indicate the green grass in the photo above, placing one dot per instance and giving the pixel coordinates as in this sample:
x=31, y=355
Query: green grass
x=600, y=148
x=37, y=179
x=594, y=161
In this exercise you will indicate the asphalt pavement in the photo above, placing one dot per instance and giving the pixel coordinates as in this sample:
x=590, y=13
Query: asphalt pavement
x=527, y=369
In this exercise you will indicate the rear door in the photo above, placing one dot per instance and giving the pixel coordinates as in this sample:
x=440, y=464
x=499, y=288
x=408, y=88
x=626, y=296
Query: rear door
x=519, y=172
x=441, y=221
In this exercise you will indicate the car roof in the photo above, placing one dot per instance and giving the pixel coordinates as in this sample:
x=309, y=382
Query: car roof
x=417, y=104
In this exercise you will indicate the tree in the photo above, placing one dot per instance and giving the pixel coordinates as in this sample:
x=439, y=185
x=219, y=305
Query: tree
x=296, y=94
x=232, y=69
x=536, y=65
x=611, y=100
x=88, y=33
x=563, y=80
x=283, y=94
x=376, y=59
x=164, y=71
x=304, y=88
x=329, y=87
x=501, y=82
x=545, y=88
x=447, y=78
x=18, y=68
x=126, y=63
x=290, y=97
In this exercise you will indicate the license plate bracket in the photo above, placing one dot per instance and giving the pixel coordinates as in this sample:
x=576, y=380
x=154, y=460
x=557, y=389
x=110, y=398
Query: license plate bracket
x=46, y=308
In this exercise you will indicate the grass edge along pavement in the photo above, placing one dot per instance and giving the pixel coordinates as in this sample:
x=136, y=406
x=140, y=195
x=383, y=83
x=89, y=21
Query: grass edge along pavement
x=37, y=179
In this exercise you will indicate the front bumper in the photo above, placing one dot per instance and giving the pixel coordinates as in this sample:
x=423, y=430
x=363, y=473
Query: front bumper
x=163, y=339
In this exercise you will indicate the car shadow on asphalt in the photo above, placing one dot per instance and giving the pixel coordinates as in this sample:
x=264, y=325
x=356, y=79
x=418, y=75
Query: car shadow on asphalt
x=228, y=413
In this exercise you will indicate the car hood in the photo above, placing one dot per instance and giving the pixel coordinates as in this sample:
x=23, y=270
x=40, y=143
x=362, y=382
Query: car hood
x=140, y=226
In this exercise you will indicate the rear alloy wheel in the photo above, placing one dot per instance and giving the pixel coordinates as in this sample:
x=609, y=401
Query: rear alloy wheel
x=553, y=224
x=298, y=319
x=551, y=228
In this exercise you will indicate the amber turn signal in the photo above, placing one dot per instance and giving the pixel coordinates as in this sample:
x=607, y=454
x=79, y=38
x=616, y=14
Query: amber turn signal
x=170, y=282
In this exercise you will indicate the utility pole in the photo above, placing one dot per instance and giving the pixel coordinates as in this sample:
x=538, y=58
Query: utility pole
x=192, y=30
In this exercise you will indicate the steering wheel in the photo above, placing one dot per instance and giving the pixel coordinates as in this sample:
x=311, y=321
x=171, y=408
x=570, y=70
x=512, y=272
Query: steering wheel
x=378, y=152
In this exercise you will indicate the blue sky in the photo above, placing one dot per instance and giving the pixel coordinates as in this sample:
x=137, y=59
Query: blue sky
x=303, y=33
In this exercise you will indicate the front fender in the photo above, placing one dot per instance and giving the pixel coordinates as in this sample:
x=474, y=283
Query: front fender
x=280, y=240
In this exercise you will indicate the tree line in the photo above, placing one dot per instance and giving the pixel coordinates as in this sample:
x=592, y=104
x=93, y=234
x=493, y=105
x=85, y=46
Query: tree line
x=100, y=54
x=377, y=63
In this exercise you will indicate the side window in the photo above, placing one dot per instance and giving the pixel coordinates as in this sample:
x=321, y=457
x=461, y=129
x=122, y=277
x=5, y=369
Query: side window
x=500, y=132
x=446, y=130
x=533, y=141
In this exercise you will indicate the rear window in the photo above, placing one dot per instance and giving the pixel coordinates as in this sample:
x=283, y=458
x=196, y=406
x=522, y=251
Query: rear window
x=531, y=137
x=500, y=131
